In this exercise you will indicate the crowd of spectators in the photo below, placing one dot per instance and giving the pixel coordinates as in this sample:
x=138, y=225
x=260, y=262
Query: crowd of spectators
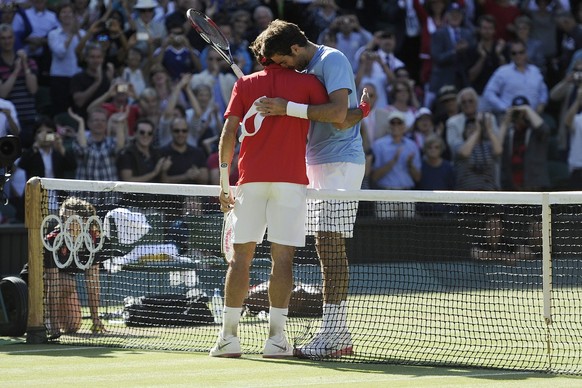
x=465, y=94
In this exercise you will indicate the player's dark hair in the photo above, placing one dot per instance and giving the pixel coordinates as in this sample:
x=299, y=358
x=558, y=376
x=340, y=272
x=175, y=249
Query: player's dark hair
x=279, y=36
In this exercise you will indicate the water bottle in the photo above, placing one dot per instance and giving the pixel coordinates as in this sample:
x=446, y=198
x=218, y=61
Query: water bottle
x=217, y=306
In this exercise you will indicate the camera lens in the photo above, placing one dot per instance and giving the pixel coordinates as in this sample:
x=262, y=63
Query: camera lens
x=10, y=150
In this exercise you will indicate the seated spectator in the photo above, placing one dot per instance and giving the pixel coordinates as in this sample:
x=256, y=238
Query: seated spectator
x=375, y=125
x=422, y=128
x=401, y=101
x=139, y=161
x=436, y=173
x=187, y=164
x=476, y=159
x=396, y=165
x=468, y=100
x=525, y=151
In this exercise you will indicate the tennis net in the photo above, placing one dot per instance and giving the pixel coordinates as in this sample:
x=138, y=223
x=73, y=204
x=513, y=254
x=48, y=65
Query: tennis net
x=436, y=278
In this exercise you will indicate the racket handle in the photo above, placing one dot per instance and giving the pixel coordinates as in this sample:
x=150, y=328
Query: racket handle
x=237, y=71
x=224, y=184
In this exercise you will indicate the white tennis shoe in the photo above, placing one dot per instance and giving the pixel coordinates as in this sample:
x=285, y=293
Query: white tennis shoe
x=277, y=347
x=327, y=344
x=228, y=347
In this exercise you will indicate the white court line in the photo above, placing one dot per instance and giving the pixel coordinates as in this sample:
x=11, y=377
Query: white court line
x=54, y=350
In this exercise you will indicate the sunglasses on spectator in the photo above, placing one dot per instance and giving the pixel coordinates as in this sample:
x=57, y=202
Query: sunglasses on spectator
x=521, y=52
x=396, y=122
x=467, y=101
x=180, y=130
x=145, y=133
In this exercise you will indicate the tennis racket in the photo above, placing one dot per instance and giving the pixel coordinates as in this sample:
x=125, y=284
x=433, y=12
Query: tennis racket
x=227, y=235
x=210, y=32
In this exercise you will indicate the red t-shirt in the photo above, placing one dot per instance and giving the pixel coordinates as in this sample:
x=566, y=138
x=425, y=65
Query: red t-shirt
x=276, y=153
x=504, y=16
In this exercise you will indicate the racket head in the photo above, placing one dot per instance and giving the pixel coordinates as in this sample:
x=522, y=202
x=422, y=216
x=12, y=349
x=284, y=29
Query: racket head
x=227, y=237
x=207, y=29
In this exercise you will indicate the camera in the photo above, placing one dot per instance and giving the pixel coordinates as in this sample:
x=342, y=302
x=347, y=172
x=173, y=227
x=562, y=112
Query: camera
x=10, y=150
x=102, y=38
x=50, y=137
x=122, y=88
x=142, y=36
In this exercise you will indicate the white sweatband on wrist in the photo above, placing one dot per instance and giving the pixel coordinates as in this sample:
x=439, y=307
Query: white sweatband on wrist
x=297, y=110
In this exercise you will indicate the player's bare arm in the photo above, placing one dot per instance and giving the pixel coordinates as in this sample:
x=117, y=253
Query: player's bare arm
x=336, y=111
x=225, y=155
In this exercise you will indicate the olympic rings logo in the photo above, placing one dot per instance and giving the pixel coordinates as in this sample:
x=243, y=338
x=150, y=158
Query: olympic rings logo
x=73, y=244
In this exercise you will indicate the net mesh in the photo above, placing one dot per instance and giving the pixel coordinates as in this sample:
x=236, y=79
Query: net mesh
x=456, y=279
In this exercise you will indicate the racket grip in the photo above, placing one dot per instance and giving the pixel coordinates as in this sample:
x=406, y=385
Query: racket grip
x=224, y=184
x=237, y=71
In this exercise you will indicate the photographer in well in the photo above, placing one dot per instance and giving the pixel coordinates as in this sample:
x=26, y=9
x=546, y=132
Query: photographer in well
x=525, y=149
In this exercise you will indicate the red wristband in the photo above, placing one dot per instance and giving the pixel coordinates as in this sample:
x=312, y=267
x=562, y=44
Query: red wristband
x=365, y=108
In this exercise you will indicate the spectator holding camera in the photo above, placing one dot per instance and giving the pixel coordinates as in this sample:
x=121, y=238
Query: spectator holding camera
x=525, y=150
x=476, y=158
x=116, y=100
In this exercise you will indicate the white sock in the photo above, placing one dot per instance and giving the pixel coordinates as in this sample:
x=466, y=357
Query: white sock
x=277, y=321
x=230, y=320
x=335, y=317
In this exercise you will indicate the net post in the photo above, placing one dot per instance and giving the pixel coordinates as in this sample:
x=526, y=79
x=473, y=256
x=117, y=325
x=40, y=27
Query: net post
x=547, y=263
x=36, y=332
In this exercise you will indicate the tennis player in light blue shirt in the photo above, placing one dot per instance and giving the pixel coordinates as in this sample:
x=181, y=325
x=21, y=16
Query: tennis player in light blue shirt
x=327, y=144
x=335, y=160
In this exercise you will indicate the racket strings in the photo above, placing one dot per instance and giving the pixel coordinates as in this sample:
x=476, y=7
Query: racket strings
x=210, y=30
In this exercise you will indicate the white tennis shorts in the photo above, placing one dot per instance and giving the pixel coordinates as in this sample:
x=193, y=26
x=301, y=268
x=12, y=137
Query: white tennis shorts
x=281, y=207
x=333, y=216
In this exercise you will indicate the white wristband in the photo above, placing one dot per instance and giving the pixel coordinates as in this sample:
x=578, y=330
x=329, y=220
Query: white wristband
x=297, y=110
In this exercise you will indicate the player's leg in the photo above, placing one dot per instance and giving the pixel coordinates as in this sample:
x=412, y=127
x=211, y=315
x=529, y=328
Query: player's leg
x=286, y=224
x=249, y=228
x=93, y=291
x=71, y=306
x=333, y=339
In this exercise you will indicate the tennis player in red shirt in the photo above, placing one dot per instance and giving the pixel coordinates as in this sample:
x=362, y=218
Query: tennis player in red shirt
x=270, y=195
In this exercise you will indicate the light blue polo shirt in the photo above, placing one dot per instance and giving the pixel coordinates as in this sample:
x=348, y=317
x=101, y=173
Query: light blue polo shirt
x=325, y=143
